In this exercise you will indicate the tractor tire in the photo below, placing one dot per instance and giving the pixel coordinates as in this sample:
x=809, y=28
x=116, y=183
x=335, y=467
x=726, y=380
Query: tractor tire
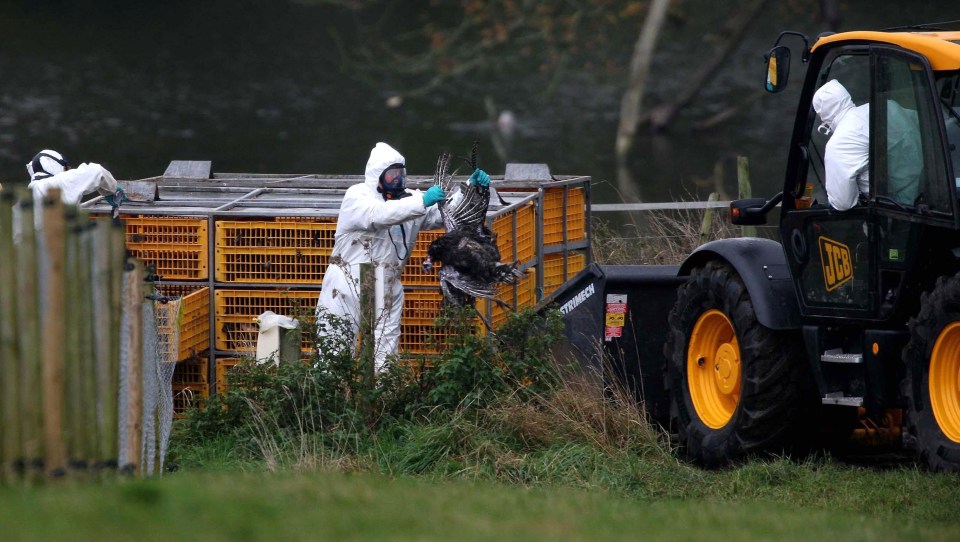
x=736, y=387
x=931, y=385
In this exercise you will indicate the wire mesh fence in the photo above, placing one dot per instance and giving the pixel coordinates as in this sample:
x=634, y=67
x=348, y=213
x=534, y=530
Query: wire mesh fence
x=85, y=366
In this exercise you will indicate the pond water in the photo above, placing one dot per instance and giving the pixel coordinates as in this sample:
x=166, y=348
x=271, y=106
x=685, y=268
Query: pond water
x=260, y=87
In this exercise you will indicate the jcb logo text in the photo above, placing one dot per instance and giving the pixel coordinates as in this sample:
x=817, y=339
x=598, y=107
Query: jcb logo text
x=837, y=267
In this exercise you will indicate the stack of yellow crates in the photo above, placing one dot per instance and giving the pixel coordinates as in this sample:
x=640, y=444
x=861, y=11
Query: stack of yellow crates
x=266, y=260
x=177, y=249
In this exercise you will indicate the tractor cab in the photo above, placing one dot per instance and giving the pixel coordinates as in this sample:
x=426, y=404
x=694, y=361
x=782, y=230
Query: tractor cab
x=870, y=196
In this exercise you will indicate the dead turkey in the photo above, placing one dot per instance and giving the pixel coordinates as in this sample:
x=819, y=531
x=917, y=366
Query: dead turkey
x=468, y=250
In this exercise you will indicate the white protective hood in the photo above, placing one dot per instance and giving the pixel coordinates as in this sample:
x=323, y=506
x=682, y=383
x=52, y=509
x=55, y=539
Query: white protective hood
x=847, y=156
x=381, y=157
x=832, y=102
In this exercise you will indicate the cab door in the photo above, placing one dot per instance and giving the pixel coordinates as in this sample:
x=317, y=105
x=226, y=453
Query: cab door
x=853, y=263
x=831, y=251
x=912, y=191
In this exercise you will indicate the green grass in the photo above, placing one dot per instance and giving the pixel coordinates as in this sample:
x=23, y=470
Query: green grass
x=338, y=506
x=468, y=453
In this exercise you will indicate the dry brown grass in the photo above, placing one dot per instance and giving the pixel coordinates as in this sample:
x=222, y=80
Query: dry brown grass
x=605, y=417
x=657, y=237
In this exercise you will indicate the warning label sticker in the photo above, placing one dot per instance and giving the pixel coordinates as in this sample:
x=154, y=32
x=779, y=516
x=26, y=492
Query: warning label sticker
x=615, y=319
x=612, y=331
x=616, y=308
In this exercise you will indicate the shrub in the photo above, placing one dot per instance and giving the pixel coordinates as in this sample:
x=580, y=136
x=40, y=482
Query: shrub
x=326, y=395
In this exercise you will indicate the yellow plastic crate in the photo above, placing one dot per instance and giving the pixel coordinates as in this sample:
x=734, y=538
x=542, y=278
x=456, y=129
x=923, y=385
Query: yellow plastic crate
x=413, y=273
x=553, y=269
x=190, y=315
x=224, y=366
x=526, y=296
x=184, y=397
x=267, y=252
x=176, y=246
x=503, y=227
x=237, y=311
x=418, y=331
x=189, y=383
x=191, y=372
x=555, y=215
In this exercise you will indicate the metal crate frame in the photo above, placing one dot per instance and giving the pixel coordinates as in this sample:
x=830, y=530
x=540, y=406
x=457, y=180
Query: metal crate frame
x=242, y=196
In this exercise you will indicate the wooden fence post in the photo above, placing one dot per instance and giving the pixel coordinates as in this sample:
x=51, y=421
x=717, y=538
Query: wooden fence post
x=87, y=312
x=706, y=227
x=31, y=374
x=133, y=368
x=113, y=304
x=743, y=183
x=101, y=288
x=59, y=370
x=368, y=315
x=53, y=329
x=71, y=361
x=10, y=444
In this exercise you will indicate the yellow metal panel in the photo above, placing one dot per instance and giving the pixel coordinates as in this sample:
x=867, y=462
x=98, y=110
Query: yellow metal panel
x=936, y=46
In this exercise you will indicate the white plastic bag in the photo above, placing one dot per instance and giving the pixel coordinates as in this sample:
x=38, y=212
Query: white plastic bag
x=268, y=342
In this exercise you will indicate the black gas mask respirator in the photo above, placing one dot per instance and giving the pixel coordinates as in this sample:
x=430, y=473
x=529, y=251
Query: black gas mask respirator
x=392, y=184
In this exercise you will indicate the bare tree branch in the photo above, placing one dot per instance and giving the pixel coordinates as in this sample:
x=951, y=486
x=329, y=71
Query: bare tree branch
x=662, y=115
x=639, y=67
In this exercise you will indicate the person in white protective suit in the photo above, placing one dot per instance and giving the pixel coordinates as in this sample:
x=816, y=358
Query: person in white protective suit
x=49, y=170
x=847, y=155
x=379, y=222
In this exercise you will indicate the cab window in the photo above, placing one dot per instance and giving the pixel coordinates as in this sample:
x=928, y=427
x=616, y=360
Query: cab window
x=852, y=70
x=948, y=91
x=910, y=169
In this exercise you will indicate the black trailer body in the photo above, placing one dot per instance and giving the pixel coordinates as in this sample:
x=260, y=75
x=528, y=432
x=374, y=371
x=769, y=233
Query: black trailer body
x=617, y=314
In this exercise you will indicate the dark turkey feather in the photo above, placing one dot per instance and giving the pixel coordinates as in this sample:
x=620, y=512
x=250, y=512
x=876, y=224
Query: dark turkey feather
x=468, y=250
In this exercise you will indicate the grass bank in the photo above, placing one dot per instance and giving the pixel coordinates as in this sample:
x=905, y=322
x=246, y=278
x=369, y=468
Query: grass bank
x=501, y=439
x=329, y=506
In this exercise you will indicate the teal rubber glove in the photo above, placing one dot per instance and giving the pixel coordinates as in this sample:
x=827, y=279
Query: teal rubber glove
x=479, y=177
x=115, y=200
x=433, y=195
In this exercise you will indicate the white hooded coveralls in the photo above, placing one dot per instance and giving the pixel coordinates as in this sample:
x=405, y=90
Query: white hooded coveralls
x=76, y=183
x=847, y=156
x=369, y=231
x=73, y=185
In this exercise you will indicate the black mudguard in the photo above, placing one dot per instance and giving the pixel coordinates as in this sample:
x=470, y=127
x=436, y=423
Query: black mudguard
x=763, y=268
